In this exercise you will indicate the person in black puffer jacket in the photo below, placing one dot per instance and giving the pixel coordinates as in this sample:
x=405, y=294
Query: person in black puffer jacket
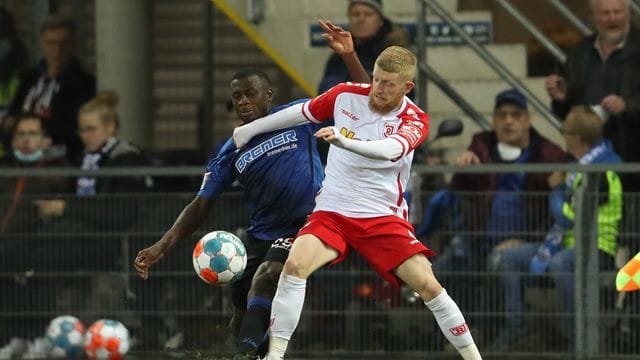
x=372, y=32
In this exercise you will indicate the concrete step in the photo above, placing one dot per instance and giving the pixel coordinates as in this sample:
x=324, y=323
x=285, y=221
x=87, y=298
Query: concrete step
x=330, y=9
x=462, y=63
x=479, y=93
x=454, y=146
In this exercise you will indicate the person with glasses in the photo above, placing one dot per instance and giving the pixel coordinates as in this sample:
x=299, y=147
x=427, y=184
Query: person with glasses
x=98, y=122
x=56, y=87
x=30, y=148
x=513, y=140
x=491, y=211
x=583, y=134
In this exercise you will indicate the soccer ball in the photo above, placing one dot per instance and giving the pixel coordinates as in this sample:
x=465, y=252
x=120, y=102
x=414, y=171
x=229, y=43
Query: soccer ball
x=106, y=339
x=219, y=258
x=64, y=336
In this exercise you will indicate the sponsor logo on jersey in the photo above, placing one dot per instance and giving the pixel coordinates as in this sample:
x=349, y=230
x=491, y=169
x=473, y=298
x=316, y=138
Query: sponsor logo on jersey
x=349, y=114
x=282, y=243
x=348, y=133
x=411, y=133
x=459, y=330
x=267, y=147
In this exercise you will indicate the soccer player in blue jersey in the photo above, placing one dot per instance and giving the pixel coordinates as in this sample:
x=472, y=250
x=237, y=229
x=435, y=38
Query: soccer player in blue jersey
x=280, y=172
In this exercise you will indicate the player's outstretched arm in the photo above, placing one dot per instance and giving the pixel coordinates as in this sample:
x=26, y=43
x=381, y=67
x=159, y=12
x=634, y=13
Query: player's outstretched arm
x=387, y=149
x=187, y=222
x=291, y=116
x=341, y=42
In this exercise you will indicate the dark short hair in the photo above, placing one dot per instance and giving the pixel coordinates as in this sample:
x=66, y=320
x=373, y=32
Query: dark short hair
x=30, y=116
x=245, y=73
x=55, y=22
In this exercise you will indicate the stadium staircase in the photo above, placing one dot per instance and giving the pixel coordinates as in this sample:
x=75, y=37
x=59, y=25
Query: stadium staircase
x=289, y=36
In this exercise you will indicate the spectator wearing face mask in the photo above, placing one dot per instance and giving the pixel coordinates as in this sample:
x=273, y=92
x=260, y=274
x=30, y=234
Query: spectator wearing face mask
x=97, y=125
x=372, y=32
x=13, y=58
x=501, y=209
x=30, y=149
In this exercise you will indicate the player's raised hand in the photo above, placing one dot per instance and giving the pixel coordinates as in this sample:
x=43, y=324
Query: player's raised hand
x=338, y=39
x=146, y=258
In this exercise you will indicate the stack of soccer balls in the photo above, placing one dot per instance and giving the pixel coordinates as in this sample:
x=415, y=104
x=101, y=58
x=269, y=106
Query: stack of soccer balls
x=105, y=339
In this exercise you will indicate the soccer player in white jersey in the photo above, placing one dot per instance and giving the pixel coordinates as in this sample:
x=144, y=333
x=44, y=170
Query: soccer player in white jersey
x=360, y=205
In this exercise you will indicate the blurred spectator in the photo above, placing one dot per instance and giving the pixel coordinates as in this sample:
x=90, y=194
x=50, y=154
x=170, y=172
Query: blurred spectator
x=499, y=204
x=56, y=87
x=372, y=32
x=540, y=62
x=13, y=58
x=604, y=70
x=582, y=131
x=97, y=125
x=30, y=149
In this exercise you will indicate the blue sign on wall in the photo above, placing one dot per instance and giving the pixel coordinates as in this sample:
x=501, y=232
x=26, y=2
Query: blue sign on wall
x=438, y=33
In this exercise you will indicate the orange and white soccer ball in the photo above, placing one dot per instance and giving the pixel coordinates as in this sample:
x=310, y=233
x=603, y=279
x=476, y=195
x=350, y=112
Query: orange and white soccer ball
x=219, y=258
x=106, y=339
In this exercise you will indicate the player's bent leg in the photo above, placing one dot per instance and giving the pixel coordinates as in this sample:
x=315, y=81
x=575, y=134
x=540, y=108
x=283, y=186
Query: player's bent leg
x=307, y=255
x=253, y=331
x=417, y=273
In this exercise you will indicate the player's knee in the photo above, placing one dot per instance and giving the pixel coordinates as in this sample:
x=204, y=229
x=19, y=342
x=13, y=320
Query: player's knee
x=428, y=288
x=296, y=268
x=266, y=278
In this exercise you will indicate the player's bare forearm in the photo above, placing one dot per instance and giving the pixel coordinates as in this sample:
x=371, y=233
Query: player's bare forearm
x=187, y=222
x=356, y=70
x=341, y=42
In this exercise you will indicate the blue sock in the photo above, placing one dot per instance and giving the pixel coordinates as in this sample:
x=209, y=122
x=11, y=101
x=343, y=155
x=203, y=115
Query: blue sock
x=255, y=324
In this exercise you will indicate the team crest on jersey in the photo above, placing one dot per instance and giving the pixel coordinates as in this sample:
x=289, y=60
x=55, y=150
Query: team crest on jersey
x=389, y=128
x=281, y=142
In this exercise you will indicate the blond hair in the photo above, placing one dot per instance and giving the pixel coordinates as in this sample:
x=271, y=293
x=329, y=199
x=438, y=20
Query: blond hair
x=104, y=104
x=586, y=124
x=398, y=60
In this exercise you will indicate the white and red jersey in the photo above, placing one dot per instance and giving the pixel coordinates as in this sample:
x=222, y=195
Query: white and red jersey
x=357, y=186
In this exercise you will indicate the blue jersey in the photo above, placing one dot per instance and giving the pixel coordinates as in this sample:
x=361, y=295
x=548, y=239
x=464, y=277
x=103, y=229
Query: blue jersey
x=280, y=172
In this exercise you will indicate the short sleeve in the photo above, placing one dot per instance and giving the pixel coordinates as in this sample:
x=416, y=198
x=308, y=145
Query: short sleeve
x=219, y=173
x=321, y=108
x=413, y=129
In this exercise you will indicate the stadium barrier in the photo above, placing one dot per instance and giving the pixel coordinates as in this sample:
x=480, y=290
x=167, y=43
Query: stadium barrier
x=81, y=264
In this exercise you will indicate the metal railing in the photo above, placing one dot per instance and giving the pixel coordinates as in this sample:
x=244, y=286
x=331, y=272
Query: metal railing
x=492, y=61
x=65, y=267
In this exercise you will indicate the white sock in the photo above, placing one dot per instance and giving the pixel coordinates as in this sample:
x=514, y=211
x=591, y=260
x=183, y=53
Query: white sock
x=285, y=312
x=451, y=322
x=470, y=352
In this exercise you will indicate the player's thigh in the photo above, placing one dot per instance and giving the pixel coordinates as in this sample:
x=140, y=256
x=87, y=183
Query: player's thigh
x=265, y=280
x=416, y=272
x=307, y=255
